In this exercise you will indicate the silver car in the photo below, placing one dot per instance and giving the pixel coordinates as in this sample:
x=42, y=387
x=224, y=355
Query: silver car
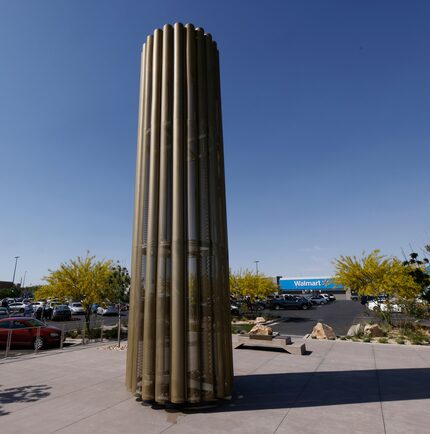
x=17, y=308
x=77, y=308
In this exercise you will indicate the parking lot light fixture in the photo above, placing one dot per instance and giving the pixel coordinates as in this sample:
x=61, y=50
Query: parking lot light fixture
x=14, y=270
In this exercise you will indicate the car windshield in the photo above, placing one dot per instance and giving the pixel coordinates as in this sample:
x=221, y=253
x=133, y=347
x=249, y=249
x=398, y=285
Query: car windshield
x=76, y=304
x=62, y=307
x=35, y=323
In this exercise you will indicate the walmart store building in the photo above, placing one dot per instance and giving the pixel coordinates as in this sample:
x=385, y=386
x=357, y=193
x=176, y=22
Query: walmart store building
x=303, y=285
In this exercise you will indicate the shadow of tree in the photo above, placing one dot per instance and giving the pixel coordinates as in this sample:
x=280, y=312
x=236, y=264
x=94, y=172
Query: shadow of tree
x=21, y=394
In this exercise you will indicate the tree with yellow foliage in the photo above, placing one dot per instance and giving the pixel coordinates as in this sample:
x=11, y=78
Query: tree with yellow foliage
x=84, y=279
x=376, y=275
x=245, y=283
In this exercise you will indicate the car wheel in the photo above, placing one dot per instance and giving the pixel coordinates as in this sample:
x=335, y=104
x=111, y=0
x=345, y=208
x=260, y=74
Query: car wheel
x=277, y=307
x=21, y=311
x=304, y=306
x=38, y=343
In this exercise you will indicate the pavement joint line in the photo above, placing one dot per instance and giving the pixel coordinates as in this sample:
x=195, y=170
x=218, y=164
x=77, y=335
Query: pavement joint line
x=379, y=388
x=304, y=387
x=55, y=352
x=91, y=415
x=170, y=426
x=264, y=363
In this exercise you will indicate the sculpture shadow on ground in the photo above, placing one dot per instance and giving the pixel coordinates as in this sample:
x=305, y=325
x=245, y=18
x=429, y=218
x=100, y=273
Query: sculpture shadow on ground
x=318, y=389
x=13, y=395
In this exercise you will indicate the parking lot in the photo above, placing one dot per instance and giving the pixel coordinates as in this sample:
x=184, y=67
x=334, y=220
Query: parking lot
x=78, y=321
x=339, y=314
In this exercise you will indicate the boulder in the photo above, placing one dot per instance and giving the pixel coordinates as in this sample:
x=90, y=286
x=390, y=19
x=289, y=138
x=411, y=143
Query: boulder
x=259, y=319
x=260, y=329
x=373, y=330
x=323, y=331
x=355, y=330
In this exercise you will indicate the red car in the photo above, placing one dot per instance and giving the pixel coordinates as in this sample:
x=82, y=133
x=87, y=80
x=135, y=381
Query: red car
x=24, y=333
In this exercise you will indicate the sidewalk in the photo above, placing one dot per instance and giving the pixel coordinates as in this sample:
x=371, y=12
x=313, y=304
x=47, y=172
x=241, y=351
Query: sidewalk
x=340, y=387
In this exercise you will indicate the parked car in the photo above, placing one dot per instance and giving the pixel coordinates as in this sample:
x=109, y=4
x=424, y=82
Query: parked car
x=47, y=311
x=108, y=310
x=290, y=302
x=354, y=297
x=76, y=308
x=383, y=306
x=17, y=307
x=61, y=312
x=25, y=333
x=317, y=299
x=4, y=312
x=329, y=297
x=234, y=310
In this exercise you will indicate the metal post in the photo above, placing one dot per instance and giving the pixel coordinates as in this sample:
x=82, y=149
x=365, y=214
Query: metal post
x=8, y=343
x=101, y=330
x=119, y=327
x=62, y=336
x=37, y=340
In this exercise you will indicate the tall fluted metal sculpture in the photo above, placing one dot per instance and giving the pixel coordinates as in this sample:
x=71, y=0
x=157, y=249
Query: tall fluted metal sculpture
x=179, y=344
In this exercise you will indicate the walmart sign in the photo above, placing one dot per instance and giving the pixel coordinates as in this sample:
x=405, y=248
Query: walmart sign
x=308, y=283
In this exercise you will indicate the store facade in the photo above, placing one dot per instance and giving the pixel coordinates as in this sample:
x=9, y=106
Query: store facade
x=304, y=285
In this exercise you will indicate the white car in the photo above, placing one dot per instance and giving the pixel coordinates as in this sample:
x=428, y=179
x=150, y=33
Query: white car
x=383, y=306
x=318, y=299
x=76, y=308
x=109, y=310
x=37, y=304
x=17, y=307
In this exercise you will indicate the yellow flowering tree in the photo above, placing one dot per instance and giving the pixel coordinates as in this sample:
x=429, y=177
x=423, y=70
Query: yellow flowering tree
x=245, y=283
x=374, y=274
x=85, y=279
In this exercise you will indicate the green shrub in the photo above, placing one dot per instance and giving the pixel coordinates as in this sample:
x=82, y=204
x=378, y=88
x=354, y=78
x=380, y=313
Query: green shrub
x=73, y=334
x=400, y=340
x=113, y=333
x=383, y=340
x=367, y=339
x=95, y=333
x=417, y=339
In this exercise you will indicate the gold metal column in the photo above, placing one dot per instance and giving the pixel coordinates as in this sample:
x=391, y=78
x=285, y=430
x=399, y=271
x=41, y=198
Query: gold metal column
x=179, y=345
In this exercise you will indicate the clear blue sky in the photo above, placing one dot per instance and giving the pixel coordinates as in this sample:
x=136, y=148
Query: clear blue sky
x=326, y=126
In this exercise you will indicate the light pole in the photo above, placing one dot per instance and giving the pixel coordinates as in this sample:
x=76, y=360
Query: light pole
x=14, y=270
x=23, y=282
x=256, y=267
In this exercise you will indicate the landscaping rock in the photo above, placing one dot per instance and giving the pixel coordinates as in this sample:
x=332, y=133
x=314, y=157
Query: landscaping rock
x=323, y=331
x=355, y=330
x=260, y=329
x=373, y=330
x=259, y=319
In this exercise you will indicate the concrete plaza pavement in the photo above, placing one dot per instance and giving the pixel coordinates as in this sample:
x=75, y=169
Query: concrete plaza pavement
x=339, y=387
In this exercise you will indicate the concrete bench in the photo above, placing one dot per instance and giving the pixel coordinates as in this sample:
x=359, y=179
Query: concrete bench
x=284, y=342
